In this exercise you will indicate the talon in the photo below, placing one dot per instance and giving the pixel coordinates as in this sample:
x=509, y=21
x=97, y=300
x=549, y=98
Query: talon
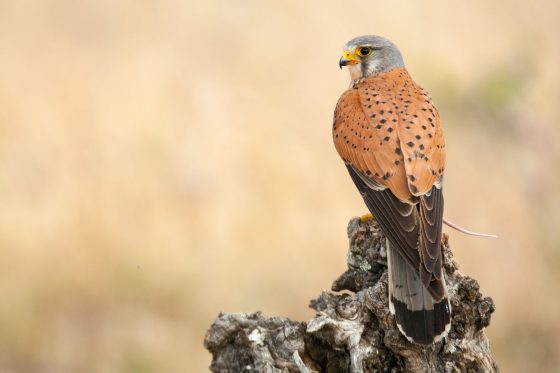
x=366, y=217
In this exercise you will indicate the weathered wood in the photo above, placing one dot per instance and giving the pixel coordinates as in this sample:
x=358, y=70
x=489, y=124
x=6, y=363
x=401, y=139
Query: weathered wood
x=353, y=330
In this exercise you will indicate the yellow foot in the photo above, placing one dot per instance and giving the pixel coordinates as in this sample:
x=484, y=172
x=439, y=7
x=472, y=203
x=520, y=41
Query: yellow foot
x=366, y=217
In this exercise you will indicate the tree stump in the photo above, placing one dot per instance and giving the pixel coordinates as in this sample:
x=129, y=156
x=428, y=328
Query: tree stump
x=353, y=330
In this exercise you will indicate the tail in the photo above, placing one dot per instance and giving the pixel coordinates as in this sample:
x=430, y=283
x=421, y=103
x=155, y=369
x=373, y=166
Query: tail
x=422, y=318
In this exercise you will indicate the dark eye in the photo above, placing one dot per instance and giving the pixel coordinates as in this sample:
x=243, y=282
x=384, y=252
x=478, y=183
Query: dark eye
x=364, y=51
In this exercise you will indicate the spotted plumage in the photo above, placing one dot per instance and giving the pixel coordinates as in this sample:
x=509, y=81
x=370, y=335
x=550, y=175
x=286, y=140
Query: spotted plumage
x=387, y=131
x=387, y=124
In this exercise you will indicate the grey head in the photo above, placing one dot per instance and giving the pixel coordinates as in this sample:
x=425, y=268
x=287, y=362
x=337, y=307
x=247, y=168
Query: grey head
x=370, y=55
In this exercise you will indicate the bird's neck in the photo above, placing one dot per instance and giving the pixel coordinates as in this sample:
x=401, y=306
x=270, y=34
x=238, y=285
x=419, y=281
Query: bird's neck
x=356, y=75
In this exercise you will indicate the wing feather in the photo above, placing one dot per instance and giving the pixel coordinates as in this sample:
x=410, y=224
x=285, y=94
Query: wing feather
x=387, y=131
x=402, y=227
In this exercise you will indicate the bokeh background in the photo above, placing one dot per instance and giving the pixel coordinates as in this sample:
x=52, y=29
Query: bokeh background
x=162, y=161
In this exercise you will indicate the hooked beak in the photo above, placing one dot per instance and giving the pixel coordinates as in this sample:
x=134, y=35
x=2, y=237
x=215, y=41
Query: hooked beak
x=348, y=58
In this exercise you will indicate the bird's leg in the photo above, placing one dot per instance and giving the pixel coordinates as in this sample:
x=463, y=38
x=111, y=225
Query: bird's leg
x=366, y=217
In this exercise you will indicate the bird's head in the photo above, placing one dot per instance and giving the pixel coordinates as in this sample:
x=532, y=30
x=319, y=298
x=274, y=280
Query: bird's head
x=370, y=55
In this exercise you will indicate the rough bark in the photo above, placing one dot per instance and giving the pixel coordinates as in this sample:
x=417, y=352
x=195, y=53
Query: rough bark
x=353, y=330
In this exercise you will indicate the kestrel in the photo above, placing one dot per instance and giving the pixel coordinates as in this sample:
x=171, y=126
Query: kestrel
x=387, y=131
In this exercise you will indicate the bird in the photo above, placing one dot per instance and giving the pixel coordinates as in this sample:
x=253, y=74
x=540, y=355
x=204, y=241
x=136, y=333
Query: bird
x=387, y=131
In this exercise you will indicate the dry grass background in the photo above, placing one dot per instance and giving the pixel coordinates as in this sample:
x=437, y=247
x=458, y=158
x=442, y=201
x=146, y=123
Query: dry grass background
x=161, y=161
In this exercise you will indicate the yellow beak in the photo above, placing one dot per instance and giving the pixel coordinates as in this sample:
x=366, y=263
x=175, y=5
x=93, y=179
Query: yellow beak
x=348, y=58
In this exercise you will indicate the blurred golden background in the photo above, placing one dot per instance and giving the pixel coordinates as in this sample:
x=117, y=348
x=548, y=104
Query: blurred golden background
x=162, y=161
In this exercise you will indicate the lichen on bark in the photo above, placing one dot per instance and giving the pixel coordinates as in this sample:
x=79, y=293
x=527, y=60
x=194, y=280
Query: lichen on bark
x=353, y=330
